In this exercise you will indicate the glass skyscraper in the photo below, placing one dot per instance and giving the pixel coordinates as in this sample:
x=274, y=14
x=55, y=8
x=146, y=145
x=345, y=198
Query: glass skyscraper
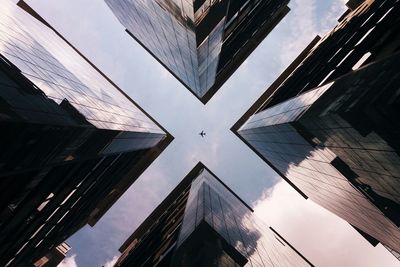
x=54, y=257
x=395, y=254
x=201, y=42
x=329, y=126
x=203, y=223
x=71, y=141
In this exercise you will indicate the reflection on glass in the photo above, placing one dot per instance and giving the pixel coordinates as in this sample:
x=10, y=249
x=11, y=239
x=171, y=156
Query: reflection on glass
x=62, y=74
x=72, y=142
x=210, y=202
x=198, y=40
x=339, y=145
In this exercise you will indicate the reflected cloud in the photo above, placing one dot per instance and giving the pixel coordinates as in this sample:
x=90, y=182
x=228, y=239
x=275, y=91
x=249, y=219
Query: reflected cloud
x=237, y=165
x=62, y=73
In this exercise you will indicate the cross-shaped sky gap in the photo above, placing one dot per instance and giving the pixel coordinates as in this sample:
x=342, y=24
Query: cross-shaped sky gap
x=164, y=98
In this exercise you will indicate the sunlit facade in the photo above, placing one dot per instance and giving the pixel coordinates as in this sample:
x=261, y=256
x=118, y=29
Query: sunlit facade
x=331, y=129
x=203, y=223
x=201, y=42
x=71, y=141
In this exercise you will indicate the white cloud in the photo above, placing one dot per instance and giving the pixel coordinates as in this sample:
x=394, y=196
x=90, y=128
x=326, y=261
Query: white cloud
x=68, y=262
x=330, y=240
x=154, y=88
x=336, y=9
x=306, y=24
x=302, y=29
x=111, y=262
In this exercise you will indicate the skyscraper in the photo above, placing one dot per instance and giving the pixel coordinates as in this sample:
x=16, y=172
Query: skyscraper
x=200, y=42
x=204, y=223
x=329, y=124
x=71, y=141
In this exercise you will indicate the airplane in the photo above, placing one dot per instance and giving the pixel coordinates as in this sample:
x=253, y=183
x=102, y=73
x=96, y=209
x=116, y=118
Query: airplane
x=202, y=134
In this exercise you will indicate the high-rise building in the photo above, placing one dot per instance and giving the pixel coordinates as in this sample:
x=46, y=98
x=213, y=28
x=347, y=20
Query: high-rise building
x=71, y=141
x=200, y=42
x=204, y=223
x=329, y=124
x=54, y=257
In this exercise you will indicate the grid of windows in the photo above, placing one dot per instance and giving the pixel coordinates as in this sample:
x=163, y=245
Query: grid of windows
x=189, y=40
x=365, y=35
x=339, y=144
x=166, y=28
x=209, y=201
x=201, y=203
x=156, y=244
x=72, y=142
x=61, y=73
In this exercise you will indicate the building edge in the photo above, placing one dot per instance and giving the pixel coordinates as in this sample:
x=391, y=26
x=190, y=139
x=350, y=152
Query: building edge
x=244, y=53
x=265, y=97
x=185, y=182
x=290, y=245
x=104, y=206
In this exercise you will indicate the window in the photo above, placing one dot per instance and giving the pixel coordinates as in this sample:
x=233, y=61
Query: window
x=365, y=36
x=65, y=200
x=44, y=203
x=361, y=61
x=348, y=54
x=385, y=15
x=326, y=77
x=37, y=231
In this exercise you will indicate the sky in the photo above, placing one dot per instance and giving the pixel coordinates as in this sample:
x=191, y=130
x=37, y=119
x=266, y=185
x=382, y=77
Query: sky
x=322, y=237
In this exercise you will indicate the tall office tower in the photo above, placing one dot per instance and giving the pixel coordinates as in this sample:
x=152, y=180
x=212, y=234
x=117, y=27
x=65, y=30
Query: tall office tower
x=203, y=223
x=54, y=257
x=329, y=124
x=71, y=141
x=200, y=42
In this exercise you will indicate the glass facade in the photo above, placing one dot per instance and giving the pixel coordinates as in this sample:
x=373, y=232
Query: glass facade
x=195, y=40
x=71, y=141
x=339, y=145
x=62, y=74
x=203, y=223
x=367, y=34
x=211, y=202
x=166, y=28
